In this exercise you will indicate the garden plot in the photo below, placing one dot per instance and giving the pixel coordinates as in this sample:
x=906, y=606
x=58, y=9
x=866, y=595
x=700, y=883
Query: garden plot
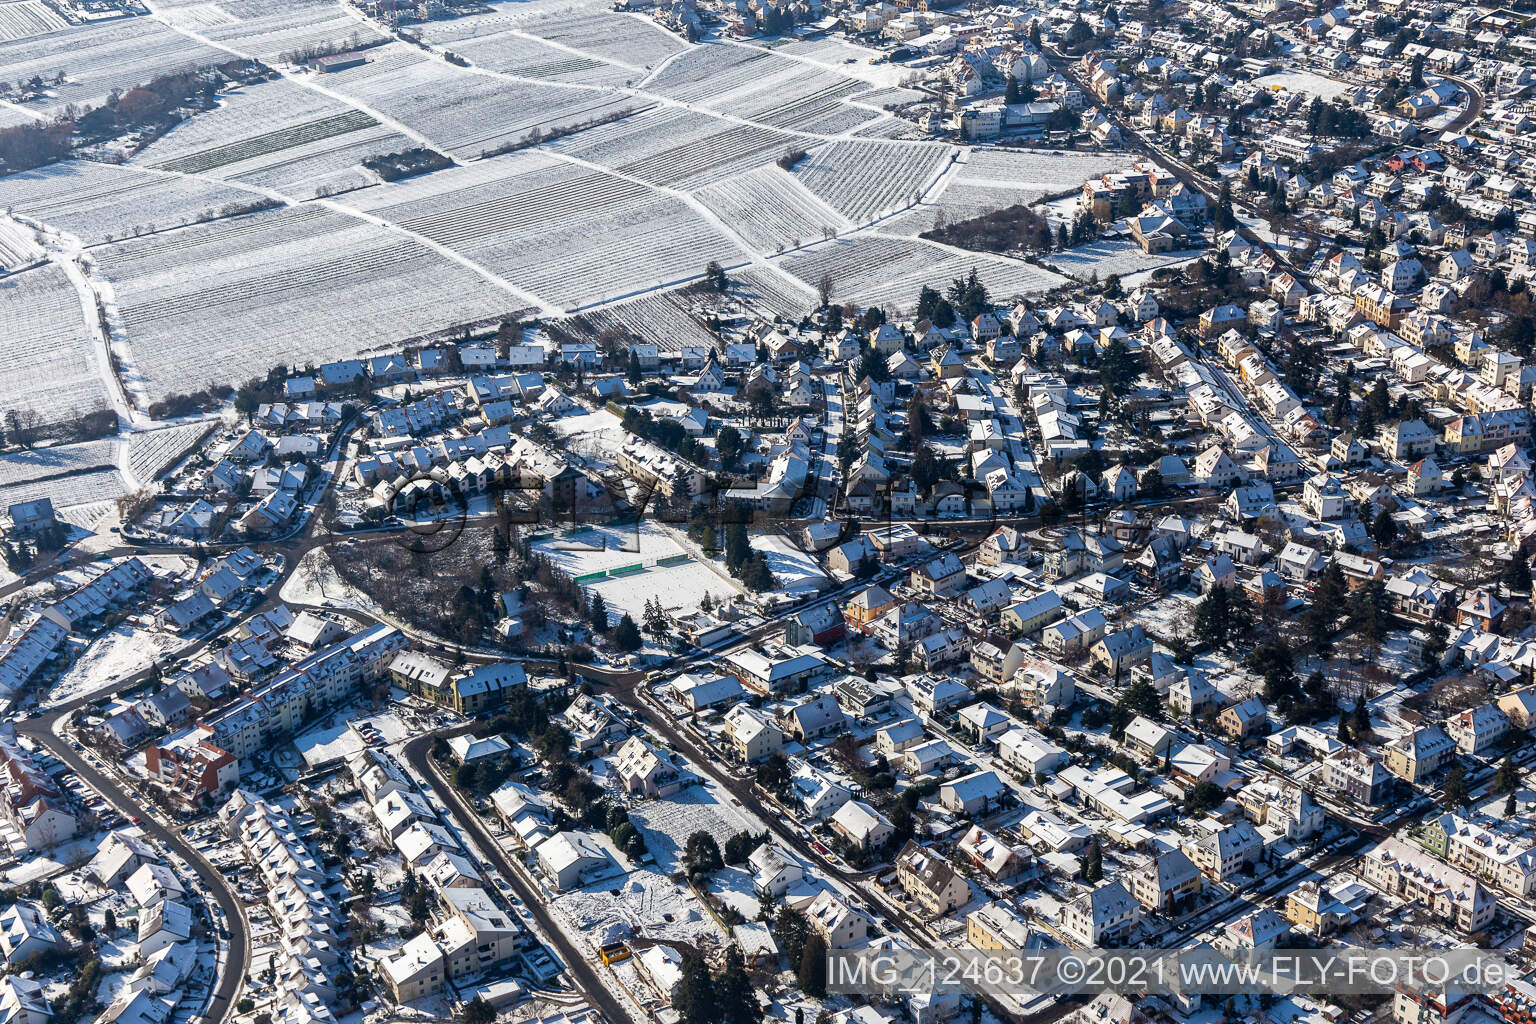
x=97, y=59
x=571, y=236
x=22, y=18
x=1114, y=256
x=103, y=202
x=48, y=359
x=1047, y=172
x=667, y=824
x=676, y=148
x=460, y=111
x=771, y=210
x=225, y=301
x=868, y=180
x=642, y=903
x=884, y=271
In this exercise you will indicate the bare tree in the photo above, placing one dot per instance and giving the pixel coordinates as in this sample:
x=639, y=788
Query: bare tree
x=824, y=290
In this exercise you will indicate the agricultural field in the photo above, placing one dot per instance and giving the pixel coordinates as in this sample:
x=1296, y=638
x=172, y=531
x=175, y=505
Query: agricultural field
x=662, y=317
x=88, y=488
x=22, y=467
x=18, y=245
x=960, y=201
x=99, y=203
x=570, y=236
x=461, y=112
x=269, y=31
x=771, y=210
x=56, y=368
x=868, y=180
x=22, y=18
x=223, y=302
x=492, y=42
x=677, y=148
x=281, y=136
x=1047, y=172
x=96, y=59
x=764, y=288
x=887, y=271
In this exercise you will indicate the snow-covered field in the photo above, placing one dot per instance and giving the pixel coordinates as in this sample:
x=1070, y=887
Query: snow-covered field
x=153, y=452
x=1114, y=256
x=223, y=302
x=606, y=548
x=459, y=111
x=1045, y=170
x=677, y=148
x=772, y=210
x=103, y=202
x=277, y=135
x=47, y=359
x=868, y=180
x=22, y=18
x=21, y=467
x=109, y=658
x=796, y=571
x=98, y=58
x=571, y=236
x=888, y=271
x=1305, y=81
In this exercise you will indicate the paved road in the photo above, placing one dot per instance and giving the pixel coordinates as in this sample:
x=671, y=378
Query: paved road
x=237, y=958
x=417, y=756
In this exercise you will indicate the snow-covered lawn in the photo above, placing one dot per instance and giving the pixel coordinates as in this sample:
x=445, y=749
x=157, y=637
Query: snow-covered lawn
x=109, y=658
x=796, y=571
x=1114, y=256
x=1305, y=81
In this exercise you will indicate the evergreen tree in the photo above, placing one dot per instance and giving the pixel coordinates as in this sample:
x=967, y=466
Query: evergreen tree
x=789, y=931
x=813, y=966
x=1508, y=776
x=1509, y=805
x=1384, y=529
x=1093, y=864
x=1360, y=717
x=1517, y=575
x=627, y=635
x=696, y=994
x=734, y=995
x=597, y=613
x=1454, y=795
